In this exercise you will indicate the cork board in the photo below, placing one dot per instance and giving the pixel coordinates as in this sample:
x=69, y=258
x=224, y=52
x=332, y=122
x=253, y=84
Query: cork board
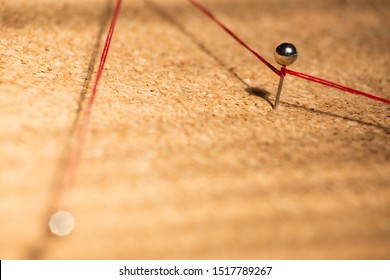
x=184, y=157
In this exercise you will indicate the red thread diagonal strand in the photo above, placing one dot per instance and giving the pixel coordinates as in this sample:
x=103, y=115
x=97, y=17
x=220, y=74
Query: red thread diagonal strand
x=334, y=85
x=105, y=52
x=75, y=153
x=232, y=34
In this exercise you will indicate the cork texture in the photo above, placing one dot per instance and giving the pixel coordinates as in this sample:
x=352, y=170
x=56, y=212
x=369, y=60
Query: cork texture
x=184, y=157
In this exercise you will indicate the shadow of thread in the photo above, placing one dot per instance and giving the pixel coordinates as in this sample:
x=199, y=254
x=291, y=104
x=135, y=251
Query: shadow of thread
x=262, y=93
x=177, y=24
x=38, y=250
x=333, y=115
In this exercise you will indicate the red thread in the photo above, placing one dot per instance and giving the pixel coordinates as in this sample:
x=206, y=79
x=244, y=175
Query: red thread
x=220, y=24
x=283, y=70
x=75, y=153
x=334, y=85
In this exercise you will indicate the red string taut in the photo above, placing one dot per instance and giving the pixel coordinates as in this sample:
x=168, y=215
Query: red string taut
x=334, y=85
x=85, y=120
x=76, y=151
x=220, y=24
x=285, y=71
x=105, y=53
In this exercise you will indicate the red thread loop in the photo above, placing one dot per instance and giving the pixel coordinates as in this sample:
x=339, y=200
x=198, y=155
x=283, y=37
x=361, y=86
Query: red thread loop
x=283, y=71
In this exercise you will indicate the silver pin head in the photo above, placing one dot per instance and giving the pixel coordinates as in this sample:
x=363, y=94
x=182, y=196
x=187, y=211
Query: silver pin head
x=286, y=54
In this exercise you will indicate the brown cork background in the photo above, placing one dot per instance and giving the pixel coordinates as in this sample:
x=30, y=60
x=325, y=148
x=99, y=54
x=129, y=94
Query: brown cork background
x=184, y=157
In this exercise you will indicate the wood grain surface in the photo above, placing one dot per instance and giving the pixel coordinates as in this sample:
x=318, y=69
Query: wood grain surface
x=184, y=157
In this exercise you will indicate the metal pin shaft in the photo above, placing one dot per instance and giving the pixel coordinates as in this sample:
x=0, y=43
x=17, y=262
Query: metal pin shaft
x=279, y=92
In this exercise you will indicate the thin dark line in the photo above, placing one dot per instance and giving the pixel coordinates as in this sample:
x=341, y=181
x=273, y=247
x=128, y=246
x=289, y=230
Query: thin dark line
x=252, y=91
x=204, y=10
x=333, y=115
x=168, y=18
x=91, y=67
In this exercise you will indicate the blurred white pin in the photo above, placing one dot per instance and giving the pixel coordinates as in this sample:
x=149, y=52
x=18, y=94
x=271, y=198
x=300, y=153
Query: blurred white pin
x=285, y=54
x=62, y=223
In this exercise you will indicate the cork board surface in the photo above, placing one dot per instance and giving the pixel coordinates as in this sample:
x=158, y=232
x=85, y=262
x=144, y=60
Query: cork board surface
x=184, y=157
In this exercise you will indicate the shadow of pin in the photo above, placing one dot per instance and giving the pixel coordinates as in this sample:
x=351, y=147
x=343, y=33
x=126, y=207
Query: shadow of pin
x=259, y=92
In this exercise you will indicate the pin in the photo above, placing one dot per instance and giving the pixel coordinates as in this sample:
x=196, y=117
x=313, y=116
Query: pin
x=285, y=54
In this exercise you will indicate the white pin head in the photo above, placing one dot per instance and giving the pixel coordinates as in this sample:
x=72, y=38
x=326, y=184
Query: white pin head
x=286, y=54
x=62, y=223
